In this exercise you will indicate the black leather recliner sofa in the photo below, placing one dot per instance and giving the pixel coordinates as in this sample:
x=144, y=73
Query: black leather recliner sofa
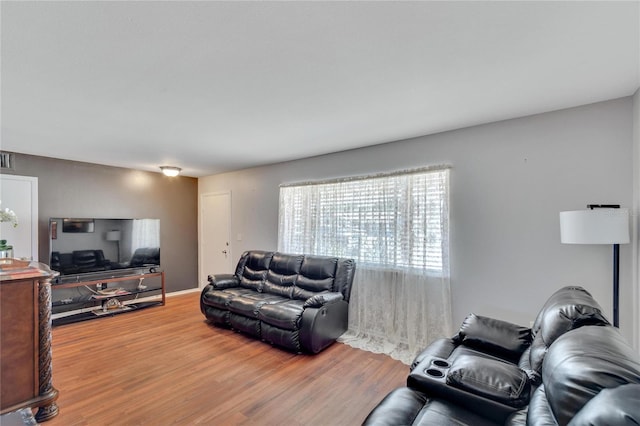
x=571, y=367
x=79, y=261
x=298, y=302
x=145, y=256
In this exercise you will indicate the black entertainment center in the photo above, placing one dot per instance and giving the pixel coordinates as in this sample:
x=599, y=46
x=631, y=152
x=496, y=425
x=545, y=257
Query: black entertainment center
x=106, y=266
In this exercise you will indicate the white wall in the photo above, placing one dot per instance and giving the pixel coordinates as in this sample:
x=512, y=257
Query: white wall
x=509, y=181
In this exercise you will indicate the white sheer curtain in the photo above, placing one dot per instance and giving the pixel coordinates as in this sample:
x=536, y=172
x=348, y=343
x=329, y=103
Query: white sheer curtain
x=145, y=233
x=396, y=226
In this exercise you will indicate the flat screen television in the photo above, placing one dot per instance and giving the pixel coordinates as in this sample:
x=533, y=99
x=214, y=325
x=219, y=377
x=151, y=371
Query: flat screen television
x=80, y=246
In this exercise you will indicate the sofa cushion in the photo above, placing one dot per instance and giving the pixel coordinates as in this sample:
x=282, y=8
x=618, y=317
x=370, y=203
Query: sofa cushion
x=286, y=264
x=616, y=406
x=406, y=406
x=280, y=284
x=88, y=258
x=248, y=304
x=220, y=298
x=493, y=379
x=400, y=407
x=568, y=308
x=494, y=336
x=319, y=267
x=316, y=274
x=257, y=260
x=66, y=260
x=581, y=363
x=146, y=256
x=539, y=412
x=216, y=298
x=252, y=269
x=285, y=314
x=253, y=279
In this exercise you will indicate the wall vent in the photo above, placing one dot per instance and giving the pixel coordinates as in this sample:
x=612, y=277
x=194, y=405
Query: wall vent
x=7, y=160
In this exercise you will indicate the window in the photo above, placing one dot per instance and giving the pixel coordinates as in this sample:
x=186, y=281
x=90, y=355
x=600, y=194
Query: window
x=396, y=227
x=145, y=233
x=395, y=221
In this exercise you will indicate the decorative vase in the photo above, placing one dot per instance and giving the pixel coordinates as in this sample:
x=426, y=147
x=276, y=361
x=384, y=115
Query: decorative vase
x=6, y=251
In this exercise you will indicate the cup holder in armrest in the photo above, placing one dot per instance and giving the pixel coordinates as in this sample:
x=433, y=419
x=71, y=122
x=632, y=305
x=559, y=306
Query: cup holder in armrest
x=434, y=372
x=440, y=363
x=441, y=378
x=437, y=368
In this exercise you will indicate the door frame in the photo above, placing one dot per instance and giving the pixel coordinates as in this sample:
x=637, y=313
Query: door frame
x=202, y=279
x=27, y=221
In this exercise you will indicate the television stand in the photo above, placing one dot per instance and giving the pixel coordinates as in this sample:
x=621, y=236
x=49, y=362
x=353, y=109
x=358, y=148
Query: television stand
x=98, y=297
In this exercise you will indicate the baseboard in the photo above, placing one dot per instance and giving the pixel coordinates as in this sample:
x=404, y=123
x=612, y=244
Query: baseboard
x=181, y=292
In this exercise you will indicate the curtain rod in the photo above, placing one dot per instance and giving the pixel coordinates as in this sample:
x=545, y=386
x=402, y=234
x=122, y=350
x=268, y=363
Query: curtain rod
x=434, y=168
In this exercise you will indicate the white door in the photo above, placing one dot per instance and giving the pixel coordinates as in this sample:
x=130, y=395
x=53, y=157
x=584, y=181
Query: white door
x=215, y=250
x=20, y=194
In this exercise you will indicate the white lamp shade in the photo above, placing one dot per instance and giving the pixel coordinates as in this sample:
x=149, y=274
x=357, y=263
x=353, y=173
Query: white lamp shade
x=595, y=226
x=113, y=236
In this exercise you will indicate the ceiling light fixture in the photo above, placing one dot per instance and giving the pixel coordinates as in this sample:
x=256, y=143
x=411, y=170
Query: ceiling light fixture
x=170, y=170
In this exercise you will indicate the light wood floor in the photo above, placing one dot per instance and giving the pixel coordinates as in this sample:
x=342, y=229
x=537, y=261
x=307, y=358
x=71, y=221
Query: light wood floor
x=167, y=366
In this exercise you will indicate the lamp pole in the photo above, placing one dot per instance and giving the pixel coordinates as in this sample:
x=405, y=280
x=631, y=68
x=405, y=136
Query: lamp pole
x=616, y=284
x=616, y=268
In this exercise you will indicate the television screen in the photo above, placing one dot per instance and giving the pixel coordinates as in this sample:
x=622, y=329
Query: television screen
x=78, y=225
x=90, y=245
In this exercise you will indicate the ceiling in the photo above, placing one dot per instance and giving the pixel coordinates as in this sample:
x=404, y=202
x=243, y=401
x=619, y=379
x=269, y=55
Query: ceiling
x=215, y=86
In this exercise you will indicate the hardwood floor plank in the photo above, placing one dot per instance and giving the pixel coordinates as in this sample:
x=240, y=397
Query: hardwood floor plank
x=167, y=366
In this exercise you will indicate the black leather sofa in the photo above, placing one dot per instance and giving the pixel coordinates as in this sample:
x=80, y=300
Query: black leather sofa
x=79, y=261
x=298, y=302
x=145, y=256
x=571, y=367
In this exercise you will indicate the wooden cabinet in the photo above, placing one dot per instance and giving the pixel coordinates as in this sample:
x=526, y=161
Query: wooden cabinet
x=25, y=338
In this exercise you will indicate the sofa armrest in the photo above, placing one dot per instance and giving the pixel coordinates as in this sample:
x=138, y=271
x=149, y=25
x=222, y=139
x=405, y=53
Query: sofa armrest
x=486, y=386
x=493, y=336
x=496, y=380
x=440, y=348
x=221, y=281
x=322, y=299
x=320, y=327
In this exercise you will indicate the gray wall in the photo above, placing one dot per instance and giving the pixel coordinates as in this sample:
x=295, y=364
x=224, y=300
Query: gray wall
x=636, y=222
x=74, y=189
x=509, y=181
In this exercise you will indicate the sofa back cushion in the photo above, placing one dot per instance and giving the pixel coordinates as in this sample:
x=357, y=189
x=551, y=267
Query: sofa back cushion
x=252, y=269
x=568, y=308
x=613, y=406
x=580, y=364
x=283, y=273
x=295, y=276
x=146, y=256
x=88, y=258
x=317, y=275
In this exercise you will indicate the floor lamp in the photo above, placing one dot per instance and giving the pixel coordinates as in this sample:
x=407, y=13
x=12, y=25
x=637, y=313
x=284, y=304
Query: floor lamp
x=599, y=224
x=114, y=236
